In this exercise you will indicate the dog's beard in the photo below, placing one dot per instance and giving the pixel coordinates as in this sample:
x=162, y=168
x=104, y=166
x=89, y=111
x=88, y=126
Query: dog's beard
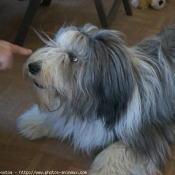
x=45, y=99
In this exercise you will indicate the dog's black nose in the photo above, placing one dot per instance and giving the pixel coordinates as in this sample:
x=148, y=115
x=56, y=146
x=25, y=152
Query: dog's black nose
x=160, y=2
x=34, y=68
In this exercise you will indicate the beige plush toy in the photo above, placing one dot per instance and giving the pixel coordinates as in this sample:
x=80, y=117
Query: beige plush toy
x=144, y=4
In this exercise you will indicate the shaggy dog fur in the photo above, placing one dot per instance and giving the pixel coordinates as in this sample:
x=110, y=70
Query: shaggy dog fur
x=100, y=93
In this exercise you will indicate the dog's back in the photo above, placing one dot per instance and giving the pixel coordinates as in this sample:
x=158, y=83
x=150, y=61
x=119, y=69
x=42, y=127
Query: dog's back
x=162, y=43
x=167, y=36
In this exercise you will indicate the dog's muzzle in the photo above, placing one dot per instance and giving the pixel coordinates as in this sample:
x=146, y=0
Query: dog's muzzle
x=34, y=68
x=37, y=84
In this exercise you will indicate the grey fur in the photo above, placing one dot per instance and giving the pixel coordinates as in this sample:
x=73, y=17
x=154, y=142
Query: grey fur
x=103, y=85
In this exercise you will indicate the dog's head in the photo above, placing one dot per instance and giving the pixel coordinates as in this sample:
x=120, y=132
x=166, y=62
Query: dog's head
x=86, y=69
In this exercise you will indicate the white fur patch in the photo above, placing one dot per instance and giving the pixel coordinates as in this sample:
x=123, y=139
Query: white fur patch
x=85, y=135
x=32, y=124
x=117, y=159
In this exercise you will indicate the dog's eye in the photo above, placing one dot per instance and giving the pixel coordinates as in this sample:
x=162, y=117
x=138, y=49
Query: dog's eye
x=73, y=58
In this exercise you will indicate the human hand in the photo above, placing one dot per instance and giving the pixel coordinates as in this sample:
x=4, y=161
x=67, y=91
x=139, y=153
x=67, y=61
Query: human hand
x=6, y=54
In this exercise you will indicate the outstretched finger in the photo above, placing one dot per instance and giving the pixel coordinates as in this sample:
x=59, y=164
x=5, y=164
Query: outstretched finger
x=20, y=50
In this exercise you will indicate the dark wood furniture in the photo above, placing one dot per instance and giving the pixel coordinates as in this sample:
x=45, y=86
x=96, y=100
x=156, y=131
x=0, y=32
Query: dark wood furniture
x=105, y=19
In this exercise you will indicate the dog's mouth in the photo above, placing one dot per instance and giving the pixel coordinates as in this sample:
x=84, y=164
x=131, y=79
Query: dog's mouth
x=37, y=84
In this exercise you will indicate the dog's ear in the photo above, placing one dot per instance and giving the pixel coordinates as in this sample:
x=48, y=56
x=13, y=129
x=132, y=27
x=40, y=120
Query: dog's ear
x=114, y=81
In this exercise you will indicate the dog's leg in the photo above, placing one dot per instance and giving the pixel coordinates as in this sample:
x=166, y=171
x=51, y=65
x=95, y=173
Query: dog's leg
x=119, y=160
x=32, y=124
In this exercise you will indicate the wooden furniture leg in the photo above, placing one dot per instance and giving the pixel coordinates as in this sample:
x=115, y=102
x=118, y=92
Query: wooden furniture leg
x=106, y=20
x=27, y=20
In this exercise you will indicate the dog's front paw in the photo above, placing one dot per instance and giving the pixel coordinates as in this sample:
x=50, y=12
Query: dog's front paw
x=32, y=124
